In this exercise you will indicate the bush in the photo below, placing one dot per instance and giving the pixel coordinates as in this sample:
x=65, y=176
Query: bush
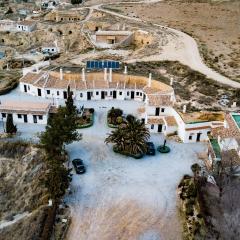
x=91, y=110
x=76, y=1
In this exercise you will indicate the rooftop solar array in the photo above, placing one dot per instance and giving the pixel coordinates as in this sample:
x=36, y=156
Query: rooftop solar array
x=102, y=64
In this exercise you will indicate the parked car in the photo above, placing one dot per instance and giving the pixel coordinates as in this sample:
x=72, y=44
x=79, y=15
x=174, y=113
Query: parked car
x=150, y=149
x=79, y=166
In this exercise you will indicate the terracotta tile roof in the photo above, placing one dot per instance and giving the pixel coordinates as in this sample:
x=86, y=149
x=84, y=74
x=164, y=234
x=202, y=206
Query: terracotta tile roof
x=231, y=131
x=155, y=120
x=171, y=121
x=24, y=107
x=159, y=100
x=198, y=128
x=96, y=80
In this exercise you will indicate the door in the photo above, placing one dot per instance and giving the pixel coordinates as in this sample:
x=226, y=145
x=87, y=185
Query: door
x=144, y=97
x=39, y=92
x=198, y=136
x=65, y=95
x=34, y=118
x=25, y=119
x=88, y=95
x=132, y=94
x=159, y=127
x=157, y=111
x=114, y=94
x=102, y=95
x=25, y=88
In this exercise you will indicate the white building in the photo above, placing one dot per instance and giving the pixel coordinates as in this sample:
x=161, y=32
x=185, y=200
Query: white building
x=50, y=48
x=25, y=112
x=158, y=110
x=26, y=26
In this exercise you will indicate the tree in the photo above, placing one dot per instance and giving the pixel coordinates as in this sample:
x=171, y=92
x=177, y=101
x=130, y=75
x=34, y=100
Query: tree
x=195, y=169
x=10, y=127
x=130, y=136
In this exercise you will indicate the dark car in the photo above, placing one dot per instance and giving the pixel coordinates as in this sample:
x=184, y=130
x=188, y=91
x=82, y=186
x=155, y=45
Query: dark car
x=150, y=148
x=79, y=166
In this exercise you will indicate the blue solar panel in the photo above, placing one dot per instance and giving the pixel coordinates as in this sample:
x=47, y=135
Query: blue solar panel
x=88, y=64
x=102, y=64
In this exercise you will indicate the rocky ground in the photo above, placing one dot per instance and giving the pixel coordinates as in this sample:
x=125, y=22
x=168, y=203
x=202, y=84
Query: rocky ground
x=215, y=29
x=22, y=197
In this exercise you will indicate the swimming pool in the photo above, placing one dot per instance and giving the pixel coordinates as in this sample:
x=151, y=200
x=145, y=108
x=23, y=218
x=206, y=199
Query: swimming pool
x=236, y=119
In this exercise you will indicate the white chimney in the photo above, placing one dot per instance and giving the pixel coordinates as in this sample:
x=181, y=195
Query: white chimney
x=234, y=105
x=184, y=108
x=83, y=75
x=110, y=74
x=171, y=81
x=105, y=74
x=125, y=70
x=149, y=80
x=61, y=74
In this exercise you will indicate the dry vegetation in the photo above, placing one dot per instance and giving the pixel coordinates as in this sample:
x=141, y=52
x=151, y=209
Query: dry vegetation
x=213, y=24
x=21, y=189
x=191, y=87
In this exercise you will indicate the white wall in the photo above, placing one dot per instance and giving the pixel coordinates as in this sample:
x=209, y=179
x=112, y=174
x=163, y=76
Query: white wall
x=16, y=119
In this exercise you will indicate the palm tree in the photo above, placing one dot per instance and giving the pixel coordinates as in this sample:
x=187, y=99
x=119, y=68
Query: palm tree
x=130, y=137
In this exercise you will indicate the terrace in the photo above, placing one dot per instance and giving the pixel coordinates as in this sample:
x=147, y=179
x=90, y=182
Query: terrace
x=198, y=117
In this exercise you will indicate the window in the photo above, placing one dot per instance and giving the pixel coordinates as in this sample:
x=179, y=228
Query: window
x=190, y=137
x=81, y=95
x=58, y=93
x=28, y=87
x=52, y=49
x=137, y=93
x=152, y=126
x=97, y=93
x=19, y=115
x=120, y=93
x=40, y=117
x=111, y=93
x=140, y=94
x=3, y=115
x=48, y=91
x=209, y=132
x=162, y=109
x=127, y=93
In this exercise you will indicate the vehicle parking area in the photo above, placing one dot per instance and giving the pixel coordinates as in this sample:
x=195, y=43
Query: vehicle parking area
x=124, y=198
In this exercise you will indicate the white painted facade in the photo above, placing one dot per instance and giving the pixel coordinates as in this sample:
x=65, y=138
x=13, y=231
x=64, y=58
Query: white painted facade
x=25, y=26
x=25, y=118
x=155, y=115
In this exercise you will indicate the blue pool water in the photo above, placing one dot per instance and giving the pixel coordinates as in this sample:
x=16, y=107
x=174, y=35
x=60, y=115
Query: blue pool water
x=236, y=119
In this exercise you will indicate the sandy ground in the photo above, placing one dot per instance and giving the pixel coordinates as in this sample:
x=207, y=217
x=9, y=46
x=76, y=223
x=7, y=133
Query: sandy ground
x=215, y=25
x=181, y=47
x=124, y=198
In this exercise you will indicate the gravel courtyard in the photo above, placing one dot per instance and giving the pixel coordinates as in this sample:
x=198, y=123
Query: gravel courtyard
x=123, y=198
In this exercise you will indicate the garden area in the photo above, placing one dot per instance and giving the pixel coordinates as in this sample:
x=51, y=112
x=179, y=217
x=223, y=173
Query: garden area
x=115, y=117
x=85, y=118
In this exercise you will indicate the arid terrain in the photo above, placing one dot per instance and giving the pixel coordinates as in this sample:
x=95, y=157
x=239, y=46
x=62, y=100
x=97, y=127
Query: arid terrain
x=216, y=29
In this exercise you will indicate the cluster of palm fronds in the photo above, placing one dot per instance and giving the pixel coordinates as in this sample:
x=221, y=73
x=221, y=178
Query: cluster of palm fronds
x=130, y=137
